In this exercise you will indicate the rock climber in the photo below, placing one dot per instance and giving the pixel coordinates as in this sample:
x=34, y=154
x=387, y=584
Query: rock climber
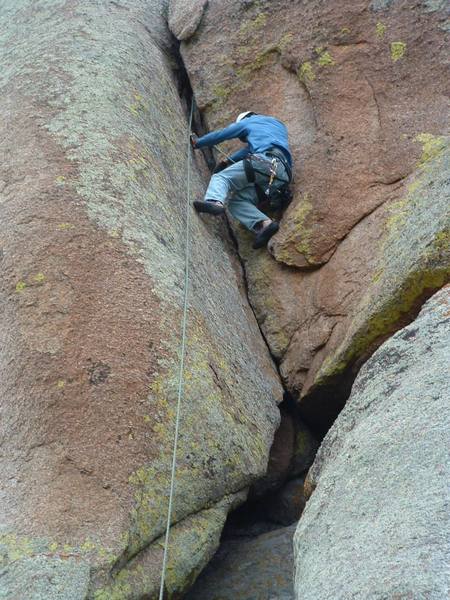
x=265, y=163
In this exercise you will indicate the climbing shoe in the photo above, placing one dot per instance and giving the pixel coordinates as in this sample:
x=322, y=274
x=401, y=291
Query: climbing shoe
x=264, y=235
x=209, y=206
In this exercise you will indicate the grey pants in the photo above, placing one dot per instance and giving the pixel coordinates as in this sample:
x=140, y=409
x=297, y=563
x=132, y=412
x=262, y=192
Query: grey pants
x=232, y=184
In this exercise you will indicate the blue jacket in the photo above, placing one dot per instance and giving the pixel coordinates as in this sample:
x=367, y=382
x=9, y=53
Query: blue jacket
x=259, y=131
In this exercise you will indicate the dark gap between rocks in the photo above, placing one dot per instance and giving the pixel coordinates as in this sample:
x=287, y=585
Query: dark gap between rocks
x=321, y=407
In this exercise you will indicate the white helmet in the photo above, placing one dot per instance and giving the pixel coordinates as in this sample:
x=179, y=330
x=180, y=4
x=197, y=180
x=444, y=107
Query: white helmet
x=247, y=113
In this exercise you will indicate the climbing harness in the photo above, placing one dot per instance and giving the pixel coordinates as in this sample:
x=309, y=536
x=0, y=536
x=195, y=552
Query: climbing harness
x=182, y=357
x=277, y=198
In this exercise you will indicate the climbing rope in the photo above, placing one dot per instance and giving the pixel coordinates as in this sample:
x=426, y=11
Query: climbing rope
x=182, y=352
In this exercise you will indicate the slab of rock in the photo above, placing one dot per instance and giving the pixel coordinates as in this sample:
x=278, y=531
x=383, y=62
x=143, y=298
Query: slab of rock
x=94, y=142
x=255, y=569
x=377, y=522
x=361, y=88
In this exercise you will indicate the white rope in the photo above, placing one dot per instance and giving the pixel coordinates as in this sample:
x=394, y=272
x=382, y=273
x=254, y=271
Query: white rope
x=182, y=351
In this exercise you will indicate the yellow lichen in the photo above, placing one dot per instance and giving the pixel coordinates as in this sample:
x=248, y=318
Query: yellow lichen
x=221, y=92
x=139, y=104
x=432, y=145
x=20, y=286
x=398, y=50
x=39, y=277
x=66, y=226
x=380, y=29
x=306, y=72
x=302, y=211
x=87, y=546
x=16, y=547
x=284, y=41
x=251, y=26
x=61, y=383
x=325, y=59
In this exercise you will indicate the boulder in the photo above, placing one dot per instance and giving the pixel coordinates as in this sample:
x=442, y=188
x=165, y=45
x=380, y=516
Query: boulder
x=376, y=525
x=93, y=183
x=184, y=18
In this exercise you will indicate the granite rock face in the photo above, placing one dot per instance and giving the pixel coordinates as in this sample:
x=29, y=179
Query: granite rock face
x=93, y=195
x=361, y=87
x=377, y=523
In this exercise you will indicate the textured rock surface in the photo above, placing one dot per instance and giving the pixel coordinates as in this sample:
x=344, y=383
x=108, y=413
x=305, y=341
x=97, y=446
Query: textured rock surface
x=93, y=143
x=287, y=504
x=185, y=18
x=377, y=522
x=361, y=87
x=258, y=569
x=293, y=451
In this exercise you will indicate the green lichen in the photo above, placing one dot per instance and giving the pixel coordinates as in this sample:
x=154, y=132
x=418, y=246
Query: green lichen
x=251, y=26
x=221, y=92
x=325, y=59
x=432, y=146
x=64, y=226
x=284, y=42
x=259, y=61
x=119, y=591
x=398, y=50
x=13, y=547
x=298, y=236
x=192, y=543
x=139, y=105
x=20, y=286
x=39, y=278
x=306, y=73
x=385, y=320
x=212, y=387
x=442, y=241
x=380, y=29
x=299, y=218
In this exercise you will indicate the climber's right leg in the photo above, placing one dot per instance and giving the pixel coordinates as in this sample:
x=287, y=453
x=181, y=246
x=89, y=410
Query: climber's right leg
x=221, y=185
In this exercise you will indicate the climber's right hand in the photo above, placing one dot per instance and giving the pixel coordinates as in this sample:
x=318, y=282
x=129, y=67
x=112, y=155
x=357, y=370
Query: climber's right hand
x=193, y=138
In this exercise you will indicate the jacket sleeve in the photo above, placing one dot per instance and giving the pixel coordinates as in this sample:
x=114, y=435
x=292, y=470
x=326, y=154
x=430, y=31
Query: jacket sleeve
x=240, y=154
x=234, y=130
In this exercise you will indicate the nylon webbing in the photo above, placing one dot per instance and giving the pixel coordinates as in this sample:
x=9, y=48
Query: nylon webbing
x=182, y=352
